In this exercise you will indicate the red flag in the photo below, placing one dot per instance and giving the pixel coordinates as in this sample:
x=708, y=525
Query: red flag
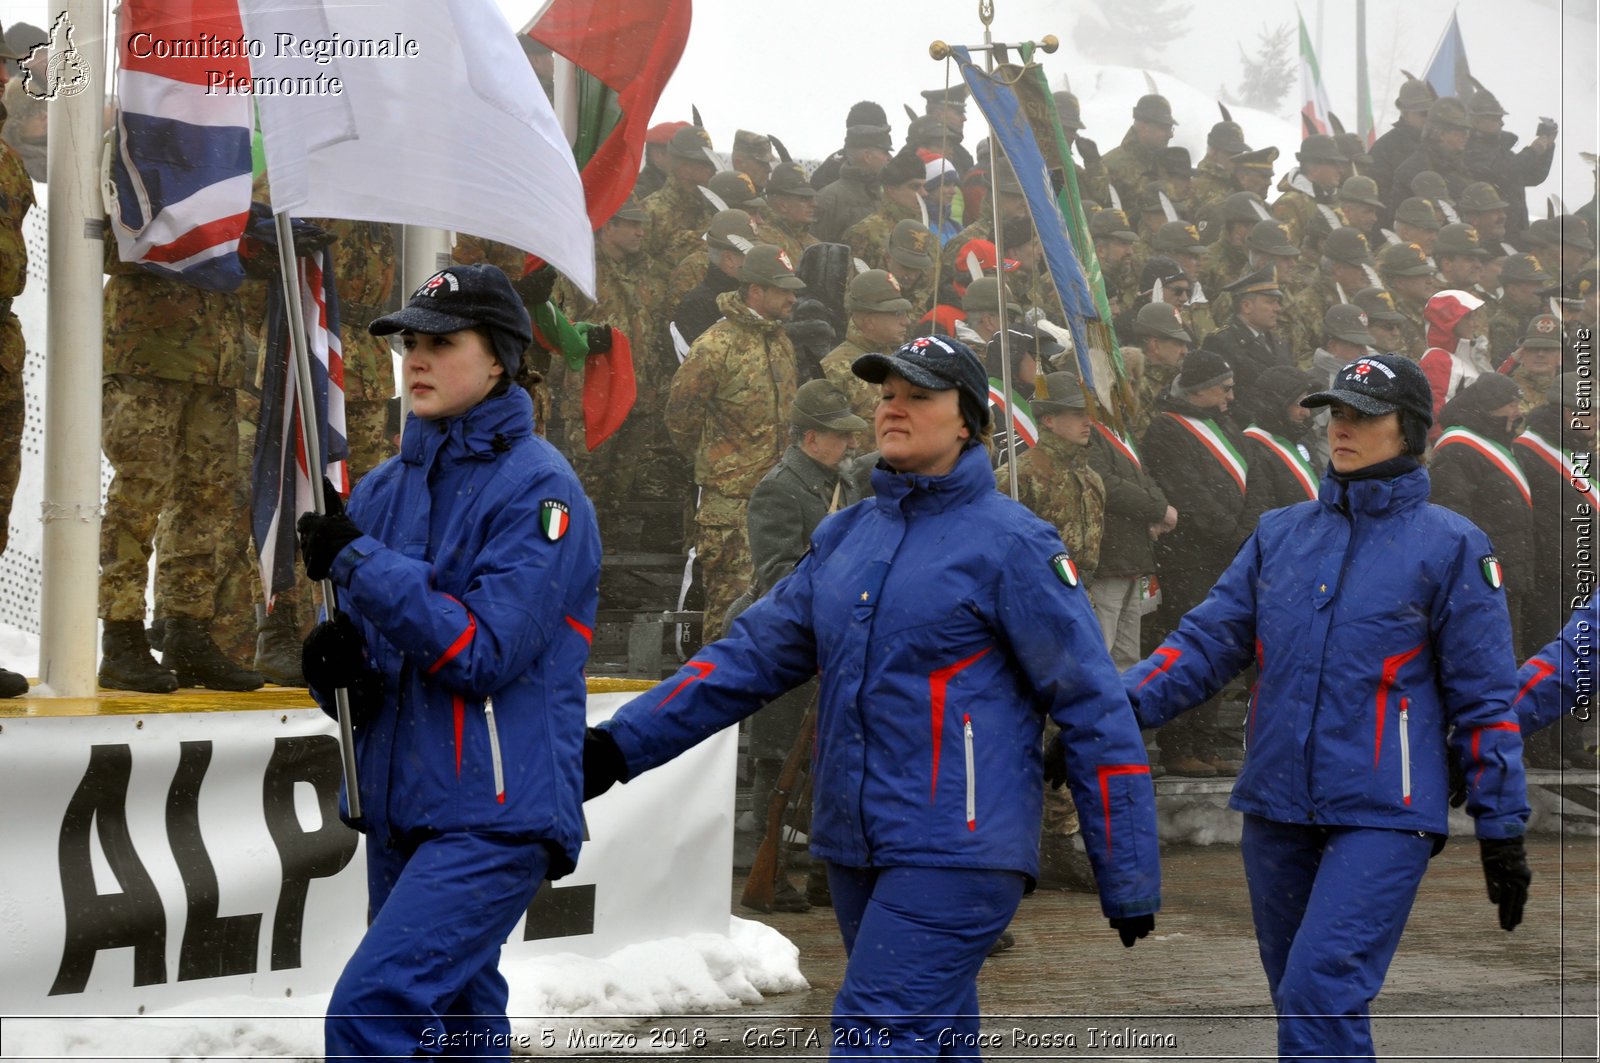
x=632, y=47
x=608, y=390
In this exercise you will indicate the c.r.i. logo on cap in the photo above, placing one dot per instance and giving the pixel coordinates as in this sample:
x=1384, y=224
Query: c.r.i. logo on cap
x=1065, y=568
x=554, y=518
x=1493, y=575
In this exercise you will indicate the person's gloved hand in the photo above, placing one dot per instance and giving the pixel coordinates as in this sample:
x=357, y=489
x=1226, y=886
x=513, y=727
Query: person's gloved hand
x=535, y=287
x=1458, y=783
x=1131, y=928
x=809, y=333
x=1088, y=150
x=1055, y=764
x=603, y=766
x=599, y=338
x=1505, y=869
x=334, y=655
x=323, y=535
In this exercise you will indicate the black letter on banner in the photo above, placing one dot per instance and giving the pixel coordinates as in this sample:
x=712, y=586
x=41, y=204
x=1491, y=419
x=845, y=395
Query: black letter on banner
x=560, y=911
x=212, y=947
x=131, y=919
x=305, y=856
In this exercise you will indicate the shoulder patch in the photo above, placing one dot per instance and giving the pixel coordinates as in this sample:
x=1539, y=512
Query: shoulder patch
x=554, y=518
x=1492, y=573
x=1065, y=568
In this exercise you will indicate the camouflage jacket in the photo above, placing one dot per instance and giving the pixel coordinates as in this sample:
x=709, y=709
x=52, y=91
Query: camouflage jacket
x=776, y=231
x=1297, y=211
x=1210, y=185
x=170, y=330
x=1413, y=330
x=16, y=199
x=846, y=201
x=836, y=367
x=1300, y=322
x=1506, y=326
x=679, y=215
x=1130, y=167
x=1054, y=480
x=869, y=237
x=1155, y=383
x=1533, y=385
x=729, y=402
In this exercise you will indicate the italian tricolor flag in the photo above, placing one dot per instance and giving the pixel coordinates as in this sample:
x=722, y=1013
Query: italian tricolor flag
x=1314, y=111
x=1492, y=574
x=554, y=519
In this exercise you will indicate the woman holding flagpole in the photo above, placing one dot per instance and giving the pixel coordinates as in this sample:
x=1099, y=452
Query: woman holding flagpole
x=468, y=570
x=1380, y=630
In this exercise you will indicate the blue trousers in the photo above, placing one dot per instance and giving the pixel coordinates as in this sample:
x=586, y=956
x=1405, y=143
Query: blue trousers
x=1329, y=905
x=425, y=979
x=915, y=938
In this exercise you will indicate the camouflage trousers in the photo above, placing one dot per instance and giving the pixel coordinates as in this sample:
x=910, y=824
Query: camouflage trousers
x=1060, y=813
x=13, y=412
x=172, y=445
x=722, y=542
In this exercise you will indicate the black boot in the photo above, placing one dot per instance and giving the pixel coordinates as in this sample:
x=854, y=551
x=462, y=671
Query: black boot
x=278, y=646
x=197, y=660
x=126, y=664
x=12, y=685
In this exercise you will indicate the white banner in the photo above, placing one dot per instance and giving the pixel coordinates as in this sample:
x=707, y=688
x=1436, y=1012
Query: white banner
x=152, y=860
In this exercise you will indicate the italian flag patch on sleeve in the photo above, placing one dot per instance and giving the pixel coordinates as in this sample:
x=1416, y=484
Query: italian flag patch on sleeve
x=1493, y=575
x=1065, y=568
x=554, y=518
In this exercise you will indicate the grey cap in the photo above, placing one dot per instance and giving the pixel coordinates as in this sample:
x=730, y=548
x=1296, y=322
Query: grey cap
x=1347, y=322
x=876, y=291
x=1271, y=238
x=757, y=145
x=631, y=211
x=736, y=190
x=1055, y=392
x=769, y=265
x=1430, y=185
x=869, y=136
x=1320, y=147
x=1418, y=212
x=1379, y=305
x=1160, y=320
x=912, y=244
x=820, y=405
x=1154, y=108
x=1458, y=238
x=1448, y=112
x=1524, y=269
x=1359, y=189
x=1404, y=260
x=1542, y=332
x=1480, y=195
x=789, y=179
x=689, y=143
x=983, y=294
x=729, y=229
x=1179, y=237
x=1111, y=224
x=1348, y=246
x=1227, y=137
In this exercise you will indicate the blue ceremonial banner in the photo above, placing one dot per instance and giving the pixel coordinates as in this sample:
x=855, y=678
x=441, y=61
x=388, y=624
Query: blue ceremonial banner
x=1448, y=70
x=1000, y=106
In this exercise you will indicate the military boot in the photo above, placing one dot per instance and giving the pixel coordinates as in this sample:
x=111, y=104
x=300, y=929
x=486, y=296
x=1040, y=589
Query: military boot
x=197, y=660
x=12, y=685
x=126, y=664
x=278, y=646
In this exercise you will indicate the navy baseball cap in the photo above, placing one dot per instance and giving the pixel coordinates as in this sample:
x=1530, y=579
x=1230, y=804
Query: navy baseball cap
x=461, y=297
x=936, y=362
x=1379, y=384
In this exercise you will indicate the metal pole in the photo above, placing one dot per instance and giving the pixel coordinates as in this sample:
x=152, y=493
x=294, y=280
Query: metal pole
x=69, y=592
x=304, y=394
x=423, y=252
x=986, y=13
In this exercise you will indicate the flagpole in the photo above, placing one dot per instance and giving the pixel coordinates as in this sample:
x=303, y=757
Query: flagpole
x=304, y=393
x=70, y=585
x=986, y=15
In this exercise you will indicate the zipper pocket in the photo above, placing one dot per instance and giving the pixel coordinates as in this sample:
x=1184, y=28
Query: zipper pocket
x=494, y=752
x=972, y=782
x=1405, y=751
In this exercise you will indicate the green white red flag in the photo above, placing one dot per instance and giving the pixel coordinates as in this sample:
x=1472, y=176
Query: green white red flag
x=1314, y=107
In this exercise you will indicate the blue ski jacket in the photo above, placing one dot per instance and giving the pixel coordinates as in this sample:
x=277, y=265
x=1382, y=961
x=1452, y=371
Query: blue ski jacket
x=1560, y=677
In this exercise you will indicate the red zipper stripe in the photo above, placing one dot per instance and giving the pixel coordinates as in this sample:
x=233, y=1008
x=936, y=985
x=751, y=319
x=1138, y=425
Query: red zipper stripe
x=460, y=708
x=1169, y=655
x=461, y=642
x=1254, y=688
x=1477, y=733
x=1105, y=772
x=586, y=632
x=938, y=681
x=1391, y=668
x=701, y=669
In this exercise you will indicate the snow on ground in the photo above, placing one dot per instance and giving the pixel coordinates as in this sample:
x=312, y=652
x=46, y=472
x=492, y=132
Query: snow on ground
x=561, y=998
x=19, y=650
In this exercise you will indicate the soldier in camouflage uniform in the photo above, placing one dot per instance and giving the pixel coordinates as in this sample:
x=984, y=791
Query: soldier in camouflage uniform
x=1536, y=362
x=1213, y=175
x=910, y=260
x=1346, y=260
x=1158, y=330
x=739, y=193
x=728, y=408
x=791, y=208
x=857, y=192
x=1482, y=208
x=1459, y=256
x=1229, y=256
x=1093, y=180
x=1114, y=243
x=1409, y=276
x=1137, y=161
x=1359, y=206
x=1013, y=204
x=1416, y=221
x=752, y=156
x=653, y=177
x=679, y=212
x=1310, y=191
x=728, y=237
x=1056, y=482
x=879, y=317
x=1521, y=278
x=901, y=181
x=16, y=198
x=174, y=357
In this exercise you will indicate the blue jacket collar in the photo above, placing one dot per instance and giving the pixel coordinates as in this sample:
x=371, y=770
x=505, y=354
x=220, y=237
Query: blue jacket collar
x=1378, y=496
x=972, y=478
x=482, y=432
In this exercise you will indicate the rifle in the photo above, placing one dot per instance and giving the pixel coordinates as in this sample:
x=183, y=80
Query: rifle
x=764, y=870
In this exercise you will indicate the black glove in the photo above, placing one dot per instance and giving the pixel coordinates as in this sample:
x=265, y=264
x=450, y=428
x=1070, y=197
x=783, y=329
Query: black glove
x=1458, y=783
x=1131, y=928
x=334, y=655
x=535, y=287
x=1547, y=128
x=323, y=535
x=603, y=766
x=810, y=333
x=1505, y=869
x=599, y=338
x=1088, y=150
x=1055, y=764
x=308, y=238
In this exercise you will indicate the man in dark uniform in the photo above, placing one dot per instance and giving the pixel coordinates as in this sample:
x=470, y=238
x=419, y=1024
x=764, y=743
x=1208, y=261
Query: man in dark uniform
x=1443, y=149
x=1489, y=156
x=1404, y=137
x=1250, y=343
x=949, y=107
x=857, y=192
x=1213, y=175
x=1408, y=274
x=863, y=113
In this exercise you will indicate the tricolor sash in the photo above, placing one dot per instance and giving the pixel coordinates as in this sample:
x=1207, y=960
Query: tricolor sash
x=1497, y=455
x=1027, y=431
x=1120, y=445
x=1561, y=460
x=1289, y=454
x=1215, y=441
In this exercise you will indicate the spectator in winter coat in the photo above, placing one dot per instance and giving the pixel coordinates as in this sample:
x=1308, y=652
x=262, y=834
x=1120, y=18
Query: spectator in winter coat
x=1378, y=667
x=1275, y=445
x=468, y=572
x=939, y=596
x=1458, y=344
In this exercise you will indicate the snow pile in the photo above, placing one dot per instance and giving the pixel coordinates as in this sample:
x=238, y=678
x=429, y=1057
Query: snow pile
x=558, y=994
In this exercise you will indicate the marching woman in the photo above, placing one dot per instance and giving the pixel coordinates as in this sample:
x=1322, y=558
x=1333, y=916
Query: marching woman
x=1379, y=626
x=946, y=622
x=468, y=572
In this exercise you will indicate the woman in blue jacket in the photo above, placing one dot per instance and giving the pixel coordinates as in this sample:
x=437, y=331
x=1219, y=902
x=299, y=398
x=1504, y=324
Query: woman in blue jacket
x=467, y=570
x=944, y=621
x=1379, y=626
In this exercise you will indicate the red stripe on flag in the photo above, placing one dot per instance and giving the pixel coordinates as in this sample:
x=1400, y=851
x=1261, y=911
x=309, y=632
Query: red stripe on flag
x=150, y=30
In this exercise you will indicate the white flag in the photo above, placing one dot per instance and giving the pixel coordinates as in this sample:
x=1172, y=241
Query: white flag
x=417, y=112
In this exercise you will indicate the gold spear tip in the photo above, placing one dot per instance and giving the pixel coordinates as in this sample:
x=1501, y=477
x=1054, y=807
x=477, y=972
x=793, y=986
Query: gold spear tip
x=939, y=50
